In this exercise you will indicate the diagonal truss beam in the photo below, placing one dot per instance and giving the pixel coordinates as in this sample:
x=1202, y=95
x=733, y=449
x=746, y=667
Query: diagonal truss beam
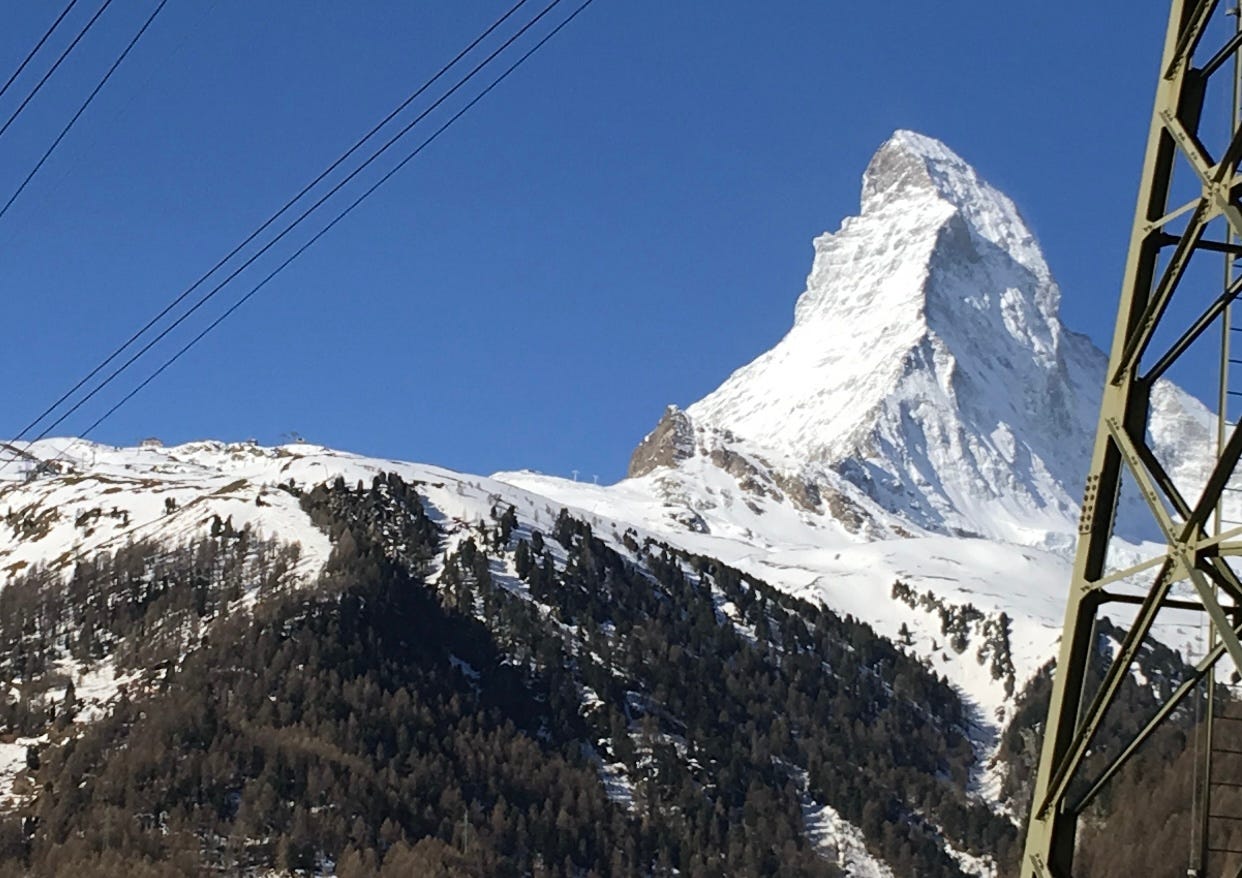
x=1190, y=32
x=1172, y=215
x=1195, y=331
x=1066, y=770
x=1137, y=343
x=1156, y=489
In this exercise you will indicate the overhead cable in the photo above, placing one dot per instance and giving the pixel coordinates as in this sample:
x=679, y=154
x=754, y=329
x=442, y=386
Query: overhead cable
x=46, y=76
x=143, y=330
x=82, y=109
x=340, y=216
x=39, y=45
x=205, y=298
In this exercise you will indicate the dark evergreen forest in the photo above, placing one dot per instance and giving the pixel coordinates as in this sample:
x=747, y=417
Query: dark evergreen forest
x=379, y=724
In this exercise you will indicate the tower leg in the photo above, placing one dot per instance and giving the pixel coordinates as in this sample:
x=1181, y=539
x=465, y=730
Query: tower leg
x=1163, y=243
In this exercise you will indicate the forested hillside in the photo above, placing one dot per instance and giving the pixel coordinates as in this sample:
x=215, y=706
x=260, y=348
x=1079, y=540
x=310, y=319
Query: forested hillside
x=498, y=702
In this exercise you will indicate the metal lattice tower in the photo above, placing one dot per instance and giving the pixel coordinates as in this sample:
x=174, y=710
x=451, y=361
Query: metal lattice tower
x=1183, y=219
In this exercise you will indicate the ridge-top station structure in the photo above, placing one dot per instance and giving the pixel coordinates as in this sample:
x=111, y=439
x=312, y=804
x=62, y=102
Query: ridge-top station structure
x=1188, y=219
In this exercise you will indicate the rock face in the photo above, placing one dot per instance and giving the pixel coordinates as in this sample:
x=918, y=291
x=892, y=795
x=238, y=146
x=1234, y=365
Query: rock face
x=671, y=441
x=927, y=366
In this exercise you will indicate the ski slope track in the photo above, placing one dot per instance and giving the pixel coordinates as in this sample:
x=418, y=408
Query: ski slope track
x=926, y=420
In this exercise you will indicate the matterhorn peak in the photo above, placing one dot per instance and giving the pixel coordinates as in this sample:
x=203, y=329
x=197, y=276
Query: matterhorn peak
x=924, y=206
x=927, y=365
x=937, y=277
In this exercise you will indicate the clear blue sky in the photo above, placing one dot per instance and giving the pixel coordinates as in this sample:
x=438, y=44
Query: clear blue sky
x=618, y=227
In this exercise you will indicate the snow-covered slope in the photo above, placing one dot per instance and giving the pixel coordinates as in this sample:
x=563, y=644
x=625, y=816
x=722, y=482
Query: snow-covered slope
x=104, y=497
x=67, y=499
x=96, y=497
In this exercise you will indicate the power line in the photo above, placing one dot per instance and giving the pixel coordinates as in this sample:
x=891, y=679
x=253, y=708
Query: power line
x=268, y=222
x=38, y=46
x=88, y=145
x=301, y=218
x=82, y=109
x=340, y=216
x=48, y=75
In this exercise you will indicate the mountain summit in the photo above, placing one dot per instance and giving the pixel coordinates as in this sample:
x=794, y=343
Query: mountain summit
x=927, y=365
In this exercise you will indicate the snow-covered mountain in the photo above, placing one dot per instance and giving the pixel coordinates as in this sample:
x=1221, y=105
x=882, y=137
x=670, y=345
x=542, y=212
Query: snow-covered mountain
x=928, y=367
x=927, y=418
x=926, y=363
x=911, y=453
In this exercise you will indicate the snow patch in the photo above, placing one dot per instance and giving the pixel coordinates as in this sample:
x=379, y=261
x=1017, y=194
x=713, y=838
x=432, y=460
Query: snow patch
x=841, y=842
